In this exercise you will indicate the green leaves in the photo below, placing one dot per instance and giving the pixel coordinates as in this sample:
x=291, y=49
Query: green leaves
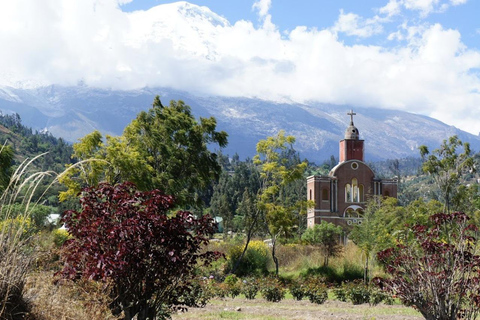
x=164, y=148
x=447, y=166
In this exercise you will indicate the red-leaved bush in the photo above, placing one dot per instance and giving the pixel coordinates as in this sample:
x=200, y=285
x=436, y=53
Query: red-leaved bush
x=125, y=238
x=435, y=268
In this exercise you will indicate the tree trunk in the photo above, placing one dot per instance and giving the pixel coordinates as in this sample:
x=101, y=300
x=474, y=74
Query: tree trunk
x=249, y=237
x=274, y=257
x=365, y=275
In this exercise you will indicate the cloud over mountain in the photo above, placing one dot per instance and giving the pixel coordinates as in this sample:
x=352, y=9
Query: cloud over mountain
x=191, y=48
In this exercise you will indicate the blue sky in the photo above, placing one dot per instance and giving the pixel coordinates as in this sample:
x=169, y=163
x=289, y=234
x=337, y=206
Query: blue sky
x=321, y=14
x=420, y=56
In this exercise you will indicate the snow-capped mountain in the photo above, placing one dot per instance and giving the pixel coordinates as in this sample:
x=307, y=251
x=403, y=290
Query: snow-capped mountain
x=72, y=112
x=188, y=27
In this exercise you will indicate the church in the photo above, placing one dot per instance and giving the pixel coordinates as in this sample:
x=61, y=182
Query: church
x=341, y=197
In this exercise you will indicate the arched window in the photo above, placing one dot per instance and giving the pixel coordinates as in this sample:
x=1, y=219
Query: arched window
x=355, y=193
x=325, y=194
x=348, y=192
x=360, y=189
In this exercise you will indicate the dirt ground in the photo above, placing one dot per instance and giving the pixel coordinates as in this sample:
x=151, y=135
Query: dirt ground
x=289, y=309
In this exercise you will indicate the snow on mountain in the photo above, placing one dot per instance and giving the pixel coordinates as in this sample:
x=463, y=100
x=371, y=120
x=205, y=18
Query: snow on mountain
x=72, y=112
x=188, y=27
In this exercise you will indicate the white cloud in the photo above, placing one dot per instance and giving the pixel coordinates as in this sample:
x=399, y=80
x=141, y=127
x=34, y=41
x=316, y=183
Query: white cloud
x=354, y=25
x=93, y=41
x=458, y=2
x=262, y=6
x=425, y=7
x=392, y=8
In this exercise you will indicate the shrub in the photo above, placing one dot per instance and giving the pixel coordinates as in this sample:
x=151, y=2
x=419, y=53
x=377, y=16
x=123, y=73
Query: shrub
x=60, y=236
x=199, y=291
x=316, y=290
x=232, y=285
x=272, y=289
x=254, y=261
x=297, y=289
x=220, y=290
x=377, y=296
x=124, y=238
x=340, y=293
x=358, y=293
x=250, y=288
x=446, y=247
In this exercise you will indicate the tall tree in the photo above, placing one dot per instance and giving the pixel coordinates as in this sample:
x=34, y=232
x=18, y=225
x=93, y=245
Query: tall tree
x=275, y=173
x=447, y=166
x=164, y=148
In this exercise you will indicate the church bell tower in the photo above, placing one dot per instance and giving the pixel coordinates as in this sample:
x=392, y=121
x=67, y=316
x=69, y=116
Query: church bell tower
x=351, y=148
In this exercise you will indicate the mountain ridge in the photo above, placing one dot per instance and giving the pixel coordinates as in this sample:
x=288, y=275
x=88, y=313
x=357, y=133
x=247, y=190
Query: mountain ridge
x=72, y=112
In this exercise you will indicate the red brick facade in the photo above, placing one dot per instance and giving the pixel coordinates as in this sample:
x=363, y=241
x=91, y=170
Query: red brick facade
x=341, y=196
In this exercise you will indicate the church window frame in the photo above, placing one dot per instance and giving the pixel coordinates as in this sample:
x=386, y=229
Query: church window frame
x=325, y=194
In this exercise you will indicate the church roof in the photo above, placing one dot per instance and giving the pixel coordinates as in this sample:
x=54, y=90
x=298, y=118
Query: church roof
x=352, y=132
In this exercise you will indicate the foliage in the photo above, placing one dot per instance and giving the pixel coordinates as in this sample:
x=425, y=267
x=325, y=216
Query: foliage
x=297, y=289
x=435, y=268
x=316, y=290
x=164, y=148
x=60, y=236
x=340, y=293
x=233, y=285
x=272, y=289
x=349, y=272
x=447, y=166
x=326, y=235
x=250, y=288
x=123, y=237
x=228, y=199
x=36, y=213
x=276, y=173
x=254, y=261
x=357, y=293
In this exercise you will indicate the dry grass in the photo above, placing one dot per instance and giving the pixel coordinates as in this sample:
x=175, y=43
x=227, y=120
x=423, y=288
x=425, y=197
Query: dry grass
x=64, y=300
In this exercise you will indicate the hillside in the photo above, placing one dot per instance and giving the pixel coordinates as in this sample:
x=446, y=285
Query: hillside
x=72, y=112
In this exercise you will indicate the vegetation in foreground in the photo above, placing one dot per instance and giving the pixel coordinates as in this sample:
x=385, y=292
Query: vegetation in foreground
x=133, y=252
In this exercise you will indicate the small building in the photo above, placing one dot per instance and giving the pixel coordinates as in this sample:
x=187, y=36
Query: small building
x=341, y=196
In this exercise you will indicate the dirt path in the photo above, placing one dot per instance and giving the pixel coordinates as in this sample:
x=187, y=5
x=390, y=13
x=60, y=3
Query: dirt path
x=259, y=309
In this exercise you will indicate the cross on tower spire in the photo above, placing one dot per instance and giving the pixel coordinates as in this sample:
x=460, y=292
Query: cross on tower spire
x=351, y=114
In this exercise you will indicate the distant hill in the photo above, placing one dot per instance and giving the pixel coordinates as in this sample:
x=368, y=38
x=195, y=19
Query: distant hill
x=28, y=143
x=72, y=112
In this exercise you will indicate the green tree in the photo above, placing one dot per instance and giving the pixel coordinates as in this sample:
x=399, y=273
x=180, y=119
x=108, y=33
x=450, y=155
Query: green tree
x=276, y=173
x=447, y=167
x=327, y=236
x=164, y=148
x=382, y=220
x=6, y=162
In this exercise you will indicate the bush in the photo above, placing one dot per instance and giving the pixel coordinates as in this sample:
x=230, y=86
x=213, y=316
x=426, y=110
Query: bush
x=232, y=285
x=358, y=293
x=60, y=236
x=254, y=262
x=147, y=256
x=220, y=290
x=199, y=292
x=349, y=272
x=272, y=290
x=340, y=293
x=250, y=288
x=316, y=290
x=297, y=289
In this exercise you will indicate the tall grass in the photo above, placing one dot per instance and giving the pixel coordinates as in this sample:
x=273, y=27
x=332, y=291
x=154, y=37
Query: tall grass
x=15, y=252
